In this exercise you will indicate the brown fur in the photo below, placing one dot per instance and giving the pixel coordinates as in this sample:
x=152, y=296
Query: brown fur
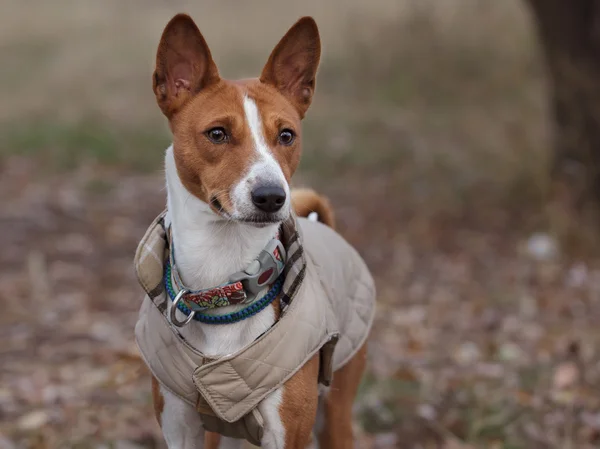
x=209, y=170
x=195, y=99
x=292, y=65
x=212, y=440
x=184, y=65
x=337, y=429
x=306, y=201
x=191, y=94
x=159, y=401
x=298, y=408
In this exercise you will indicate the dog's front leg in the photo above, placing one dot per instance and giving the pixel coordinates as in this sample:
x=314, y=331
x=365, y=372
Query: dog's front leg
x=290, y=411
x=180, y=422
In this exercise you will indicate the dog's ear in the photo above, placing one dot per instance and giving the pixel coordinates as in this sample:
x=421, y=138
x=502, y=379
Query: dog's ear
x=292, y=66
x=184, y=65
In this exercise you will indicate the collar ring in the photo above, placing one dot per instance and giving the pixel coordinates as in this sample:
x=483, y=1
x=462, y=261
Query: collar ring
x=173, y=310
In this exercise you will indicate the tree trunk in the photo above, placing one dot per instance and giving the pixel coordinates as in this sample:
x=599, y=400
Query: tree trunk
x=569, y=33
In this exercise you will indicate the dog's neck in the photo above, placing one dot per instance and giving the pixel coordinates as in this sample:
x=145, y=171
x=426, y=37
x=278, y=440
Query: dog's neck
x=208, y=250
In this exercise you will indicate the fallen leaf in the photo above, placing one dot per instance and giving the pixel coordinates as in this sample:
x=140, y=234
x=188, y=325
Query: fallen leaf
x=33, y=420
x=456, y=444
x=565, y=375
x=6, y=444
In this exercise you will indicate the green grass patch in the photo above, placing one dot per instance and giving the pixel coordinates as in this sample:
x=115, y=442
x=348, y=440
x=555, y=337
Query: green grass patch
x=62, y=146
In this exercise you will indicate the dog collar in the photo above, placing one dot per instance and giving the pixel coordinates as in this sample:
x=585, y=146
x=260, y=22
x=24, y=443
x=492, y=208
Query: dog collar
x=242, y=287
x=234, y=317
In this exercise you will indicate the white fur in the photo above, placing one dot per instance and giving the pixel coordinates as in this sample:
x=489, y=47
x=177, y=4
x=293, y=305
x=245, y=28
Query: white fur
x=180, y=422
x=264, y=170
x=320, y=419
x=182, y=426
x=208, y=249
x=274, y=437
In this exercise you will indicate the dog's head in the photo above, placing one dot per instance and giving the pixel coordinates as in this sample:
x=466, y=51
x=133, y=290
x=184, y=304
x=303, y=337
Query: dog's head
x=237, y=143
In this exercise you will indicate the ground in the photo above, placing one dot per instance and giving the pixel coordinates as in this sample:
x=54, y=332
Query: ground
x=428, y=133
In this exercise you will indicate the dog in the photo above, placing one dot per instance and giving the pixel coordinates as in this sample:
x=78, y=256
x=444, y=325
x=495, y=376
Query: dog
x=255, y=321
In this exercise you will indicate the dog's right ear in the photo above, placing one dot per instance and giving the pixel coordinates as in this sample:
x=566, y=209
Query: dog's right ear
x=184, y=65
x=292, y=66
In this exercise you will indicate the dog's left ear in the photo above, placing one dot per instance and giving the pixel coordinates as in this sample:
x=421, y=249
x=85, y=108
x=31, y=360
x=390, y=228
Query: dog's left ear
x=292, y=66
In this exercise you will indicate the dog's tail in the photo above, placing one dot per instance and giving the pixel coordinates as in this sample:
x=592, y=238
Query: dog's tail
x=308, y=203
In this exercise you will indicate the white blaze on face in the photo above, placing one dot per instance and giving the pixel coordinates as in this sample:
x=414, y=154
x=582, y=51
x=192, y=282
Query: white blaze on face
x=264, y=169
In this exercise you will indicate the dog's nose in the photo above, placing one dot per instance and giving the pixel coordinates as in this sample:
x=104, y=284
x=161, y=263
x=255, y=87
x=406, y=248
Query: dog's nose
x=268, y=198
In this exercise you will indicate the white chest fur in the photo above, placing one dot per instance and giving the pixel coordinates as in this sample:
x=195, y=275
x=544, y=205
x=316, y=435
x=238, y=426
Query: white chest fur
x=208, y=250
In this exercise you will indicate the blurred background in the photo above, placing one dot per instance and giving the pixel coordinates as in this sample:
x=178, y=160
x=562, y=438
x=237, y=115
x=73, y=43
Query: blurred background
x=439, y=131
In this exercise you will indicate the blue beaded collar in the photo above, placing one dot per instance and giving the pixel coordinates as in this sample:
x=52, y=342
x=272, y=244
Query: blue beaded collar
x=228, y=318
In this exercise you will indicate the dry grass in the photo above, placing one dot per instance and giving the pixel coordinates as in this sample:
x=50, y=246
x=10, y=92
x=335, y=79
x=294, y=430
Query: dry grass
x=429, y=134
x=446, y=93
x=70, y=59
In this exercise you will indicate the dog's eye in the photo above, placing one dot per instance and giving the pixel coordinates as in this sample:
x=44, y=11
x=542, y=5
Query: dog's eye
x=286, y=137
x=216, y=135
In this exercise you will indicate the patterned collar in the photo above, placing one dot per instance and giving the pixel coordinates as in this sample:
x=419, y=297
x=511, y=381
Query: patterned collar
x=265, y=272
x=152, y=260
x=242, y=287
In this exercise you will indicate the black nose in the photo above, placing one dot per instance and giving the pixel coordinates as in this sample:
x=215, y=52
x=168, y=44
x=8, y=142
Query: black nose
x=268, y=198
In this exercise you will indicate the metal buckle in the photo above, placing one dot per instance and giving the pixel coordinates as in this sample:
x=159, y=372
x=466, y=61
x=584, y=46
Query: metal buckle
x=173, y=311
x=262, y=264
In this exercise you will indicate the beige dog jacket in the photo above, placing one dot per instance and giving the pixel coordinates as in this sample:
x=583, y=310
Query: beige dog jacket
x=327, y=302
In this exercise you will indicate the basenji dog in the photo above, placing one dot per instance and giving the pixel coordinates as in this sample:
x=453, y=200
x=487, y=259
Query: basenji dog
x=236, y=145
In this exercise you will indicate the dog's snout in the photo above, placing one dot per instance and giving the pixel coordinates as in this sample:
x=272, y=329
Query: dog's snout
x=269, y=198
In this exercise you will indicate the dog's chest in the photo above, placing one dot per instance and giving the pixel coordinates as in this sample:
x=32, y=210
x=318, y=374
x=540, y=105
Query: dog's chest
x=216, y=341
